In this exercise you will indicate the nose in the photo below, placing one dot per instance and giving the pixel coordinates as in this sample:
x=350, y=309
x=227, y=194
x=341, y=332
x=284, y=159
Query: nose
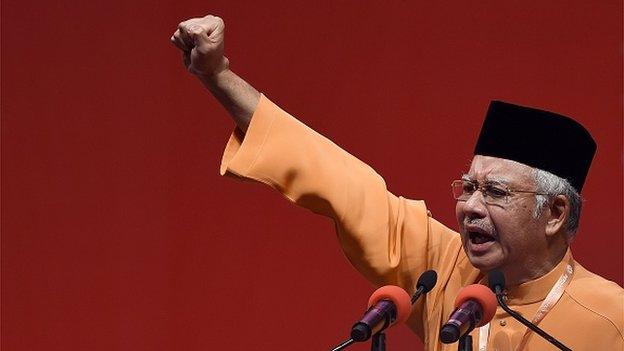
x=475, y=206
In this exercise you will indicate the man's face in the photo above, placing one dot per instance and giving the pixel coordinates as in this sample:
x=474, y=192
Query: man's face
x=505, y=235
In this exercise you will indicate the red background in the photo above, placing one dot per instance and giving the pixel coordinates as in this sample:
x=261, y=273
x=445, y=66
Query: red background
x=118, y=233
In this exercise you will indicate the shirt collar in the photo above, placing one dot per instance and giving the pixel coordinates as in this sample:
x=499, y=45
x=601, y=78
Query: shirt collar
x=536, y=290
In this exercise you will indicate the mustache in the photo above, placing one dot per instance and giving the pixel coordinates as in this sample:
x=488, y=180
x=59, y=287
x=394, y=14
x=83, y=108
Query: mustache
x=482, y=223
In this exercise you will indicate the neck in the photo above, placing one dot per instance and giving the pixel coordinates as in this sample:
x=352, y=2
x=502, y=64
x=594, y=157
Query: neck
x=534, y=268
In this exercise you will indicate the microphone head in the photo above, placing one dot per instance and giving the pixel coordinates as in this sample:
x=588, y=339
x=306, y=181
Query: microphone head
x=483, y=296
x=427, y=280
x=398, y=296
x=496, y=279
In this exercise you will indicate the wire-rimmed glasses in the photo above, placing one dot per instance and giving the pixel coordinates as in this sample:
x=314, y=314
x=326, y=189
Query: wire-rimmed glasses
x=494, y=193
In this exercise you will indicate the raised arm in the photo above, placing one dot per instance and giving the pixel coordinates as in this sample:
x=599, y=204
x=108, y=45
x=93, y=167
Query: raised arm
x=201, y=42
x=389, y=239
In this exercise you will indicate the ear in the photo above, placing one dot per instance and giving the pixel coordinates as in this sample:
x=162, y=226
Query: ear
x=557, y=216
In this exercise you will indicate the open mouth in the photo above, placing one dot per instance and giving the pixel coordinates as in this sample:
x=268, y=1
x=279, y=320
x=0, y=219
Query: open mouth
x=479, y=238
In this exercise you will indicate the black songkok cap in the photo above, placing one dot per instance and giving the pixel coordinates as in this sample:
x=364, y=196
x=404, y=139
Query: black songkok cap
x=539, y=139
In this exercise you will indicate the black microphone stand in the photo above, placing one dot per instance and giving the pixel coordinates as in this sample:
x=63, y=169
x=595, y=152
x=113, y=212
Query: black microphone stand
x=378, y=343
x=465, y=343
x=343, y=345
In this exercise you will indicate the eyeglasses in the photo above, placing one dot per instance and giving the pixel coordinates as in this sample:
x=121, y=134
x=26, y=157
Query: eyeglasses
x=494, y=193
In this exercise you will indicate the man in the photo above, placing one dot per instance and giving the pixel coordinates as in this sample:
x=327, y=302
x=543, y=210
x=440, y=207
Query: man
x=517, y=208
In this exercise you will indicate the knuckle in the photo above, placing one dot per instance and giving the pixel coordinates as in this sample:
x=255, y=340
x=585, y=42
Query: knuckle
x=202, y=50
x=184, y=25
x=210, y=19
x=194, y=29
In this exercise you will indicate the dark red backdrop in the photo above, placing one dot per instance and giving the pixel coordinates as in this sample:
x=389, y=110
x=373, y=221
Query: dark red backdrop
x=118, y=233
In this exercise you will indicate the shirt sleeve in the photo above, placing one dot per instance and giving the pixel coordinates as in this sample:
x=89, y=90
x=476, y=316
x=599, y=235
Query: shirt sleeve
x=389, y=239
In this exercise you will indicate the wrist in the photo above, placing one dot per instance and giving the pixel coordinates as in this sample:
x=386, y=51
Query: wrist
x=213, y=76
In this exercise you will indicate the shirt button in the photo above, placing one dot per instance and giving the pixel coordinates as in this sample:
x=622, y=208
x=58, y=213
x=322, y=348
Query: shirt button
x=502, y=323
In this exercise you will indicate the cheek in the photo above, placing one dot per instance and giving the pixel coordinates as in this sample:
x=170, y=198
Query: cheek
x=516, y=230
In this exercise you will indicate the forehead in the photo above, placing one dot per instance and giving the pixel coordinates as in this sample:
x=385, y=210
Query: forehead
x=499, y=169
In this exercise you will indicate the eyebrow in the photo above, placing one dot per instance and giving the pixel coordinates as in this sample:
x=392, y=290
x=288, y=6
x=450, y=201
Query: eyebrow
x=494, y=179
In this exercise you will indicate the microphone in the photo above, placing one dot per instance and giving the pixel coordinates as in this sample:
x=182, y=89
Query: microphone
x=496, y=280
x=387, y=306
x=425, y=283
x=475, y=306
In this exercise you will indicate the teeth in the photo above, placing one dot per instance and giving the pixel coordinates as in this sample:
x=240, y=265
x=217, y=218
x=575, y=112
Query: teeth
x=478, y=238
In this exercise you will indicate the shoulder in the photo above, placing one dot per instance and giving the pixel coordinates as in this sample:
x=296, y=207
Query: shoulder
x=600, y=297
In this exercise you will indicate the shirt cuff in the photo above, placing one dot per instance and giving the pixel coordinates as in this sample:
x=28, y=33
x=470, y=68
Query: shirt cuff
x=243, y=149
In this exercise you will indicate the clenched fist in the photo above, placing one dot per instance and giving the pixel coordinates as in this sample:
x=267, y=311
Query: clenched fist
x=201, y=42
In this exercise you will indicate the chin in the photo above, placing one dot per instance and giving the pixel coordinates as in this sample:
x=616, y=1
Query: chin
x=483, y=266
x=485, y=263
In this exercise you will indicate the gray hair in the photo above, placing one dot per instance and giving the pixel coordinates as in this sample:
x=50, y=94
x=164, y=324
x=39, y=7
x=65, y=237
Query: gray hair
x=553, y=185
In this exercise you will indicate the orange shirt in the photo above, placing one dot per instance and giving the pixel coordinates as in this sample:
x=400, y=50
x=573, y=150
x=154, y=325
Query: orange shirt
x=391, y=240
